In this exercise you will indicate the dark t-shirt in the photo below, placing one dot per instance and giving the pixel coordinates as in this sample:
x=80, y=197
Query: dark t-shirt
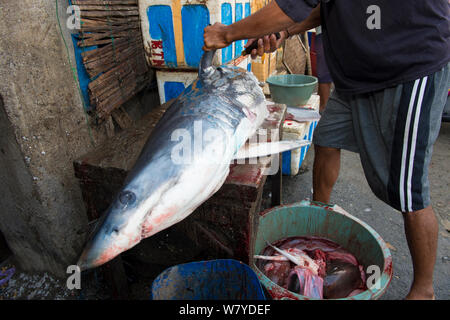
x=374, y=44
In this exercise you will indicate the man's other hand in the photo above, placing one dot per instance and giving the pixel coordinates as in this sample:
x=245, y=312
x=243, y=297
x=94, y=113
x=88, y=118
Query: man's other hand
x=266, y=44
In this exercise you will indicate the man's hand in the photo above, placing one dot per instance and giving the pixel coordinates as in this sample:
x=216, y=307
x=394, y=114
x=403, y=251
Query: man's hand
x=216, y=37
x=266, y=44
x=267, y=20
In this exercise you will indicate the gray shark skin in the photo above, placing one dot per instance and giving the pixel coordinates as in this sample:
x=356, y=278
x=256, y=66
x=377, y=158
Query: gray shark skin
x=225, y=101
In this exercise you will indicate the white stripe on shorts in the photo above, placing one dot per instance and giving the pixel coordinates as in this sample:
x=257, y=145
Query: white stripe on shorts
x=413, y=142
x=405, y=143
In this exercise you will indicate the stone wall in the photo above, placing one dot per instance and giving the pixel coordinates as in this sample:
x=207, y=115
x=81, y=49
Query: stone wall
x=43, y=128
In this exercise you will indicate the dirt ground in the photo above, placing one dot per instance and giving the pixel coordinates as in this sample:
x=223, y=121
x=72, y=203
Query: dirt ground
x=351, y=192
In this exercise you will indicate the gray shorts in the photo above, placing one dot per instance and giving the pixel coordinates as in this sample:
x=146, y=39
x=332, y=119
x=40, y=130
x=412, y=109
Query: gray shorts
x=393, y=130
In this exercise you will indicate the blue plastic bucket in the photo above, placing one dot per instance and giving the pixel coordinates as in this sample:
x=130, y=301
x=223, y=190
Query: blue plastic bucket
x=208, y=280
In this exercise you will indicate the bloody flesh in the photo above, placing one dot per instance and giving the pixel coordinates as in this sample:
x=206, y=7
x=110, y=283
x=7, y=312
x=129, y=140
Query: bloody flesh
x=323, y=269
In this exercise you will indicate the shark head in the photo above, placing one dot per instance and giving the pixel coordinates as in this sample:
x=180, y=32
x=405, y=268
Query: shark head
x=118, y=230
x=123, y=225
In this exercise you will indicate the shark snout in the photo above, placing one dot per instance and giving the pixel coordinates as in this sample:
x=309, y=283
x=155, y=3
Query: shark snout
x=106, y=244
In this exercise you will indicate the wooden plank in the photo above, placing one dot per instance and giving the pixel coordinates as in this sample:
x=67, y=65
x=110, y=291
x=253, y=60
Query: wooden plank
x=122, y=118
x=104, y=2
x=105, y=7
x=107, y=13
x=109, y=125
x=294, y=55
x=308, y=53
x=114, y=27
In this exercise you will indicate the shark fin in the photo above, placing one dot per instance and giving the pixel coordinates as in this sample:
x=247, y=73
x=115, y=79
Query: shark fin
x=262, y=149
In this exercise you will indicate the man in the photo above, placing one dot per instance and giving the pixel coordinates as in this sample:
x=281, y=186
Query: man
x=389, y=62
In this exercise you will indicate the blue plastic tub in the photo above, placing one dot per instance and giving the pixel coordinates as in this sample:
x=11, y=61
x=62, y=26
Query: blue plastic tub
x=208, y=280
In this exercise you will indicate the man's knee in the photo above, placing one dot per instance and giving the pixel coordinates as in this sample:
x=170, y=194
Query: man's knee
x=326, y=152
x=428, y=211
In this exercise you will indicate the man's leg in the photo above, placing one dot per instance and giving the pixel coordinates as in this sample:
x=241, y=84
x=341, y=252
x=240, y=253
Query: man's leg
x=327, y=162
x=421, y=228
x=396, y=155
x=333, y=133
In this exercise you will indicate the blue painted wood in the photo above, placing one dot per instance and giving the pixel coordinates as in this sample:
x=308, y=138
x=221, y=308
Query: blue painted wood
x=247, y=9
x=173, y=89
x=83, y=76
x=239, y=11
x=227, y=19
x=208, y=280
x=302, y=154
x=161, y=28
x=286, y=163
x=194, y=19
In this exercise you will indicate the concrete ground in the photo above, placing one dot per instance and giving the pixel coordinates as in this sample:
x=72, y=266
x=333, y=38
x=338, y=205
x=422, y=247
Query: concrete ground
x=352, y=193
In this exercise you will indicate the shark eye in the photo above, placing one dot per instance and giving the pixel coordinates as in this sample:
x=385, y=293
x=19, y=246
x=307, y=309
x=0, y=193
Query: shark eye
x=127, y=198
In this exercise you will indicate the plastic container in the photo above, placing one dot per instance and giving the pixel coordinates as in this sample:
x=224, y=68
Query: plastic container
x=291, y=89
x=314, y=219
x=173, y=30
x=292, y=160
x=293, y=130
x=208, y=280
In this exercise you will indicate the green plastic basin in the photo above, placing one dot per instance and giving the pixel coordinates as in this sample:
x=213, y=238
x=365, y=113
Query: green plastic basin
x=315, y=219
x=291, y=89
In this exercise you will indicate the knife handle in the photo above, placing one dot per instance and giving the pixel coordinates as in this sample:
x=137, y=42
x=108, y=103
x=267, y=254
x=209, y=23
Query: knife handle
x=254, y=45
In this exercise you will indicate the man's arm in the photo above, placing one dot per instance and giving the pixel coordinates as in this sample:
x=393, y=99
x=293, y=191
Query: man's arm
x=261, y=24
x=271, y=43
x=309, y=23
x=269, y=19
